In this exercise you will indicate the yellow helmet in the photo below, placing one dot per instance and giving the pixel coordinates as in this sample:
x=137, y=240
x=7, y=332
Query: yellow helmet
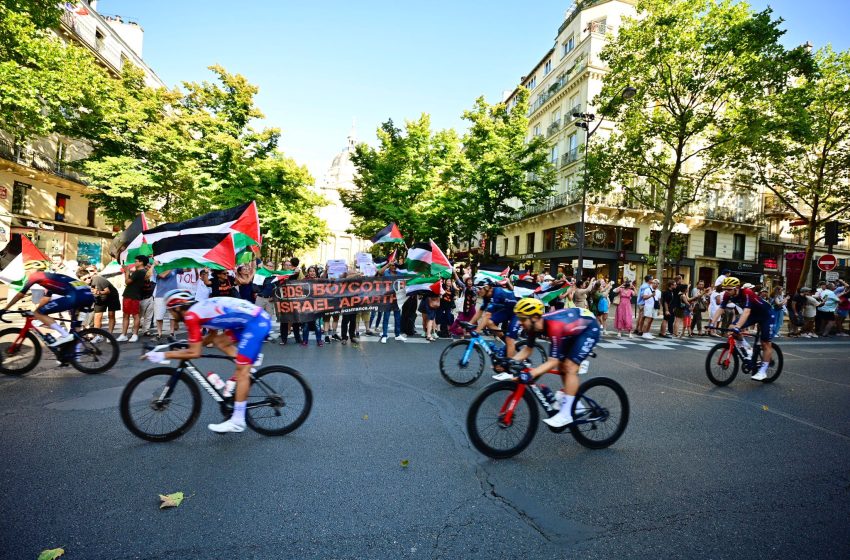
x=730, y=282
x=529, y=306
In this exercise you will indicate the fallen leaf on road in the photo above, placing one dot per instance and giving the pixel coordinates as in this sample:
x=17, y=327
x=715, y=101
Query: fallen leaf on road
x=171, y=500
x=764, y=407
x=51, y=554
x=404, y=463
x=365, y=417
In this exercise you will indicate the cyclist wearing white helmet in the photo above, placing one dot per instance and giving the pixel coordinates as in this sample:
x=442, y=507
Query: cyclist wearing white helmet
x=247, y=326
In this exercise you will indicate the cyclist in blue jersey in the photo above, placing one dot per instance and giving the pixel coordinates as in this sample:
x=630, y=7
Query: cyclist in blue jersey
x=247, y=325
x=754, y=310
x=76, y=295
x=500, y=307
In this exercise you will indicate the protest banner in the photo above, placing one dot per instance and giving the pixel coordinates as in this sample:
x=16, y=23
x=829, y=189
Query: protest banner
x=304, y=300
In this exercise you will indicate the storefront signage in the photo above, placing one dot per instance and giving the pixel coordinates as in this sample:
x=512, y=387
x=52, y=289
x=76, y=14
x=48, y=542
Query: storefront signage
x=755, y=268
x=795, y=256
x=771, y=264
x=40, y=225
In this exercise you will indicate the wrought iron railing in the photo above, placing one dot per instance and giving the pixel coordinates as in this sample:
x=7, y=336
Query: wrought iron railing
x=37, y=160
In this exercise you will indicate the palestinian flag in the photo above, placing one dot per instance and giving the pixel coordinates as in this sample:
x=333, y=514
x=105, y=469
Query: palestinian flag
x=20, y=254
x=112, y=269
x=389, y=234
x=388, y=259
x=211, y=250
x=242, y=222
x=524, y=288
x=262, y=273
x=422, y=284
x=419, y=258
x=440, y=265
x=130, y=243
x=494, y=273
x=550, y=295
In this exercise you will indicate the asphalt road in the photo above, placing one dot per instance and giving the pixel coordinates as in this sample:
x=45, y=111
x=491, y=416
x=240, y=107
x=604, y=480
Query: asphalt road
x=748, y=471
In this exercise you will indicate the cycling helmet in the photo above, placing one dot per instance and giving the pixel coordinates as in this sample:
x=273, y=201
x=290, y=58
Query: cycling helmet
x=179, y=298
x=528, y=306
x=483, y=282
x=35, y=265
x=730, y=282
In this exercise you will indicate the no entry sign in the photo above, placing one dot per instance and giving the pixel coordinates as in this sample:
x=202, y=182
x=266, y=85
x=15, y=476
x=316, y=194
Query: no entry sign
x=827, y=262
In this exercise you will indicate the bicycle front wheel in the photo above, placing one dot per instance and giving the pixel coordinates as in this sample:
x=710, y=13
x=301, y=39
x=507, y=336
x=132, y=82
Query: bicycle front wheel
x=461, y=365
x=160, y=404
x=538, y=353
x=489, y=429
x=279, y=401
x=95, y=351
x=721, y=364
x=775, y=367
x=600, y=413
x=17, y=358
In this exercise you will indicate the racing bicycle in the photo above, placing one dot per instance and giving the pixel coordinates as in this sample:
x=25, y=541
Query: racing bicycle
x=462, y=362
x=163, y=403
x=724, y=359
x=91, y=351
x=503, y=418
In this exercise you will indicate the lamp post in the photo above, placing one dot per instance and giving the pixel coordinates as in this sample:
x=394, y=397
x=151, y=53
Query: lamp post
x=584, y=122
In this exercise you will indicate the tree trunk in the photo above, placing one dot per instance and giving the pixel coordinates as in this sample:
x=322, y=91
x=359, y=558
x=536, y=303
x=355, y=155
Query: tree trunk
x=810, y=252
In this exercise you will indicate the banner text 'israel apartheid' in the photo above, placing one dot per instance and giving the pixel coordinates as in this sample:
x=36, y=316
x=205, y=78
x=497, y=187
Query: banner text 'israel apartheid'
x=304, y=300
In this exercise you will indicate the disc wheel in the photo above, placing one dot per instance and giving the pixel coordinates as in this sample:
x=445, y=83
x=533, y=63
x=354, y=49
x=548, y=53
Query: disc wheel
x=279, y=401
x=18, y=358
x=160, y=404
x=600, y=413
x=721, y=365
x=95, y=351
x=486, y=426
x=461, y=366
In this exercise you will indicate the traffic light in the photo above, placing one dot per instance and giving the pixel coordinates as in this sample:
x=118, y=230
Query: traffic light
x=831, y=233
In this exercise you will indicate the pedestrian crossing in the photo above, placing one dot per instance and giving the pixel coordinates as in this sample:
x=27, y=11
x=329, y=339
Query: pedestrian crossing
x=702, y=344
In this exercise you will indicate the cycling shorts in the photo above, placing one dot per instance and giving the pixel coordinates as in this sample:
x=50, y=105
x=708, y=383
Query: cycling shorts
x=577, y=348
x=766, y=324
x=513, y=328
x=75, y=300
x=251, y=339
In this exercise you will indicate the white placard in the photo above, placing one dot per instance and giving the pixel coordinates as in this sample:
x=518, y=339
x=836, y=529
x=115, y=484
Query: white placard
x=363, y=258
x=629, y=273
x=336, y=268
x=187, y=279
x=831, y=276
x=368, y=269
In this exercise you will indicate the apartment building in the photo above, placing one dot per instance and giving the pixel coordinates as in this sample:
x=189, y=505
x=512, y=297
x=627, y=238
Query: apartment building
x=720, y=231
x=40, y=196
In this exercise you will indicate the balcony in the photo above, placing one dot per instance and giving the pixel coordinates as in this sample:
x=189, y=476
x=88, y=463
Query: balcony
x=748, y=216
x=38, y=161
x=552, y=203
x=553, y=128
x=563, y=80
x=600, y=27
x=569, y=157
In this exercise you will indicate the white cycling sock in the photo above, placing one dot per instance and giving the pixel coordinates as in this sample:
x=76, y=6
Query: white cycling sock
x=239, y=412
x=764, y=366
x=567, y=405
x=60, y=330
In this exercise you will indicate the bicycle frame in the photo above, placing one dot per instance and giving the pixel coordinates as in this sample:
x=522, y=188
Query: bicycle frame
x=507, y=410
x=733, y=346
x=28, y=326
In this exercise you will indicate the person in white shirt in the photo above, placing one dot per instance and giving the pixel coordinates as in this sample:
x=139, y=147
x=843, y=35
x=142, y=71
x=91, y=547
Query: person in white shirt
x=646, y=283
x=723, y=275
x=649, y=298
x=202, y=285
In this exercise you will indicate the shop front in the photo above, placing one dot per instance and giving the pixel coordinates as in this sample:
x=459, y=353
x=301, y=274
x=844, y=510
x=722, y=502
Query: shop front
x=747, y=272
x=73, y=243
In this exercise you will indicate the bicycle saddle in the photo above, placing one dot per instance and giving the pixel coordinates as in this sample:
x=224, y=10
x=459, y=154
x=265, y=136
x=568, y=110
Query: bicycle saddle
x=468, y=326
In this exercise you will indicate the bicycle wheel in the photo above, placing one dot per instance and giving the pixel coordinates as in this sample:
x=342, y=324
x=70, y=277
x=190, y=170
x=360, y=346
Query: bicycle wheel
x=160, y=404
x=460, y=365
x=18, y=359
x=279, y=401
x=485, y=421
x=538, y=353
x=95, y=351
x=775, y=367
x=600, y=413
x=721, y=365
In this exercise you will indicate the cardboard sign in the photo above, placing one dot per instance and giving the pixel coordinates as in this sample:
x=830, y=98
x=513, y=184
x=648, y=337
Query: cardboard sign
x=363, y=259
x=336, y=268
x=304, y=300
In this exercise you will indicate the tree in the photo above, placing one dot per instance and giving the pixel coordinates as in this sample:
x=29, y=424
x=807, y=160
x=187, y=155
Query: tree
x=500, y=170
x=695, y=64
x=404, y=180
x=801, y=152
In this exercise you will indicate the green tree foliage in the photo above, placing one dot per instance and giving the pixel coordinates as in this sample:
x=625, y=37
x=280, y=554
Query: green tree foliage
x=404, y=180
x=801, y=150
x=695, y=64
x=500, y=170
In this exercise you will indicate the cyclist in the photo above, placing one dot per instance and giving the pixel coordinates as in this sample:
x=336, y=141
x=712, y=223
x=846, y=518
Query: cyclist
x=245, y=323
x=754, y=310
x=573, y=332
x=75, y=295
x=501, y=304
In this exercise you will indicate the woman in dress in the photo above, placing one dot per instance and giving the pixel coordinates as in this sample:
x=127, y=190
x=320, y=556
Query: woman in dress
x=625, y=312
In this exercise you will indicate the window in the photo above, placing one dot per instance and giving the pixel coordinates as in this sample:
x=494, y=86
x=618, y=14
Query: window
x=677, y=245
x=537, y=130
x=529, y=242
x=99, y=39
x=532, y=83
x=575, y=106
x=516, y=244
x=553, y=154
x=709, y=248
x=90, y=217
x=505, y=252
x=549, y=239
x=19, y=197
x=739, y=246
x=61, y=150
x=628, y=239
x=61, y=206
x=598, y=26
x=547, y=67
x=600, y=237
x=568, y=46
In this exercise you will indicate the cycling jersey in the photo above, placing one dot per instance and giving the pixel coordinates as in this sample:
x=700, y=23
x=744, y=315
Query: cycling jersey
x=248, y=324
x=761, y=312
x=76, y=294
x=573, y=332
x=501, y=305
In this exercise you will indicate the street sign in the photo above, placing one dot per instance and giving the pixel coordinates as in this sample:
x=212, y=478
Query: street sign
x=832, y=276
x=827, y=262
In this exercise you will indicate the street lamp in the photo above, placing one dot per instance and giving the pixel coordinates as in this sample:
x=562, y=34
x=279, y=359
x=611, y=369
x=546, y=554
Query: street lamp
x=585, y=120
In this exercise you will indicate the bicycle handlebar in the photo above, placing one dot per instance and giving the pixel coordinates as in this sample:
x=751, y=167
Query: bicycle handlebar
x=17, y=312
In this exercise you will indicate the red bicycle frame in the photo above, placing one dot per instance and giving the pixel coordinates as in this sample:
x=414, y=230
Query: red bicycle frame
x=21, y=335
x=507, y=411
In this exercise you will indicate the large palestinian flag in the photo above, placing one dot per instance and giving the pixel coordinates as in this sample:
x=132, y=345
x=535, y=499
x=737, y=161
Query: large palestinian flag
x=131, y=243
x=552, y=293
x=428, y=285
x=525, y=288
x=242, y=222
x=427, y=258
x=389, y=234
x=211, y=250
x=20, y=254
x=493, y=273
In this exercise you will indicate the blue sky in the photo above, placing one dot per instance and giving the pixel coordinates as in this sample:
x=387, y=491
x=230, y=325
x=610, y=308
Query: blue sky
x=319, y=65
